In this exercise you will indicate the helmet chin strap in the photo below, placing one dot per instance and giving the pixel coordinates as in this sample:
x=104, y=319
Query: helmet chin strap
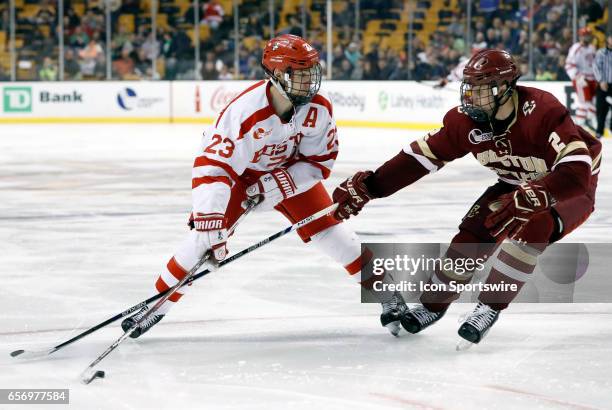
x=498, y=101
x=280, y=88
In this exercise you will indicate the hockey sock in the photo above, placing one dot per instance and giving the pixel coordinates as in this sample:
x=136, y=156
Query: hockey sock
x=513, y=266
x=170, y=277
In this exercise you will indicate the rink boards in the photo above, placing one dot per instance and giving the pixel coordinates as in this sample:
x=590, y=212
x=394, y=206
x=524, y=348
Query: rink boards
x=374, y=104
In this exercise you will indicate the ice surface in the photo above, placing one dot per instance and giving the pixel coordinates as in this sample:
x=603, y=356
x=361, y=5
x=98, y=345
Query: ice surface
x=89, y=215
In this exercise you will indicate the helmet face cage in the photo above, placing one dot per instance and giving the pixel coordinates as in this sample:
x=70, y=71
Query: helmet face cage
x=301, y=85
x=481, y=101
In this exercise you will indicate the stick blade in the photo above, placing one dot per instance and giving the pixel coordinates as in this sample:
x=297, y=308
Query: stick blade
x=31, y=354
x=90, y=374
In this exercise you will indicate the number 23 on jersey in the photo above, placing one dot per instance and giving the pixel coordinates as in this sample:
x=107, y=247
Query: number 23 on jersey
x=222, y=146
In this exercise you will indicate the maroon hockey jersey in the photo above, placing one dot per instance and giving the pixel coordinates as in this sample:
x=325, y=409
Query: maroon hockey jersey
x=540, y=137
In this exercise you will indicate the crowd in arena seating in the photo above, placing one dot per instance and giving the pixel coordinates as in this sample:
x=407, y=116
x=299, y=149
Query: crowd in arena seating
x=134, y=48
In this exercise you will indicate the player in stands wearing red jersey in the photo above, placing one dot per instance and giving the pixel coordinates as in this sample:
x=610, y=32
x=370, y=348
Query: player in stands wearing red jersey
x=547, y=175
x=276, y=141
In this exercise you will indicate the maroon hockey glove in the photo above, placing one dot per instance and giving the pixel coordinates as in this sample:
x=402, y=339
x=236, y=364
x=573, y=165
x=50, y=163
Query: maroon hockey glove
x=351, y=196
x=513, y=210
x=212, y=234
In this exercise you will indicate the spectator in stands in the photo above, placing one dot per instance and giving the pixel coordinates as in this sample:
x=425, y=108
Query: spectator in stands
x=89, y=56
x=48, y=71
x=543, y=74
x=456, y=28
x=225, y=73
x=357, y=72
x=254, y=27
x=550, y=47
x=212, y=14
x=4, y=76
x=488, y=7
x=560, y=73
x=209, y=72
x=369, y=72
x=553, y=22
x=479, y=43
x=4, y=20
x=71, y=19
x=492, y=40
x=142, y=63
x=45, y=15
x=150, y=47
x=344, y=71
x=295, y=27
x=526, y=75
x=352, y=53
x=508, y=42
x=72, y=69
x=100, y=67
x=120, y=39
x=79, y=38
x=254, y=70
x=541, y=9
x=123, y=67
x=92, y=22
x=337, y=59
x=567, y=39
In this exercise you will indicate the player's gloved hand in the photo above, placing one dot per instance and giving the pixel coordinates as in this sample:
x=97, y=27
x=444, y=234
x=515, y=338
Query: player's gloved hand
x=513, y=210
x=581, y=81
x=212, y=231
x=272, y=188
x=351, y=196
x=441, y=84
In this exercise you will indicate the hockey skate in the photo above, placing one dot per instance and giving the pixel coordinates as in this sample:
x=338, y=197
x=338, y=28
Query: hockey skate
x=476, y=325
x=142, y=327
x=419, y=318
x=393, y=310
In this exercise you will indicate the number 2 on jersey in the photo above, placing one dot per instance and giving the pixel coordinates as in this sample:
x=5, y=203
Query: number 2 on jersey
x=227, y=150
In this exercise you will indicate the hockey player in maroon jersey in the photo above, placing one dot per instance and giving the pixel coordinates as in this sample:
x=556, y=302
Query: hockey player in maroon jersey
x=547, y=175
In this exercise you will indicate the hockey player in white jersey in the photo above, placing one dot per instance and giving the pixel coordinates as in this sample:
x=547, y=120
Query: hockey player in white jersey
x=276, y=141
x=579, y=67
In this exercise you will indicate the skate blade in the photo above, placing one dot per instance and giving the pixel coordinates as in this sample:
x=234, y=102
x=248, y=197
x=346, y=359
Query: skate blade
x=463, y=345
x=394, y=328
x=463, y=317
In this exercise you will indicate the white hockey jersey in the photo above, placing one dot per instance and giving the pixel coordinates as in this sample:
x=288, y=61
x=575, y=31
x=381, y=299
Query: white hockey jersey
x=580, y=61
x=248, y=139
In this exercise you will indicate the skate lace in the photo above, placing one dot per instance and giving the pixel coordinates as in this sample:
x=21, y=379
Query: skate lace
x=423, y=315
x=394, y=303
x=151, y=320
x=482, y=317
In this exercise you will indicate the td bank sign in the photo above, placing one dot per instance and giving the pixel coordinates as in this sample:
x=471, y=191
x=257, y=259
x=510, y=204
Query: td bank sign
x=19, y=99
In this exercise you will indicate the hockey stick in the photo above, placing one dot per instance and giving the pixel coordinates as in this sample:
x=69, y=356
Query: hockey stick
x=90, y=373
x=32, y=354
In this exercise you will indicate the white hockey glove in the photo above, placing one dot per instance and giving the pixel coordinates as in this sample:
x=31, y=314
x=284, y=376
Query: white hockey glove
x=581, y=81
x=212, y=236
x=272, y=188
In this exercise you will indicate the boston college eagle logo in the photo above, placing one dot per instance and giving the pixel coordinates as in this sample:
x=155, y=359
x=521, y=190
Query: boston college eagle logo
x=528, y=107
x=275, y=46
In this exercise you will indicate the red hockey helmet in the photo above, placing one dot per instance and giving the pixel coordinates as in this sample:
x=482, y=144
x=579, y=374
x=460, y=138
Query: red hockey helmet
x=298, y=63
x=485, y=74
